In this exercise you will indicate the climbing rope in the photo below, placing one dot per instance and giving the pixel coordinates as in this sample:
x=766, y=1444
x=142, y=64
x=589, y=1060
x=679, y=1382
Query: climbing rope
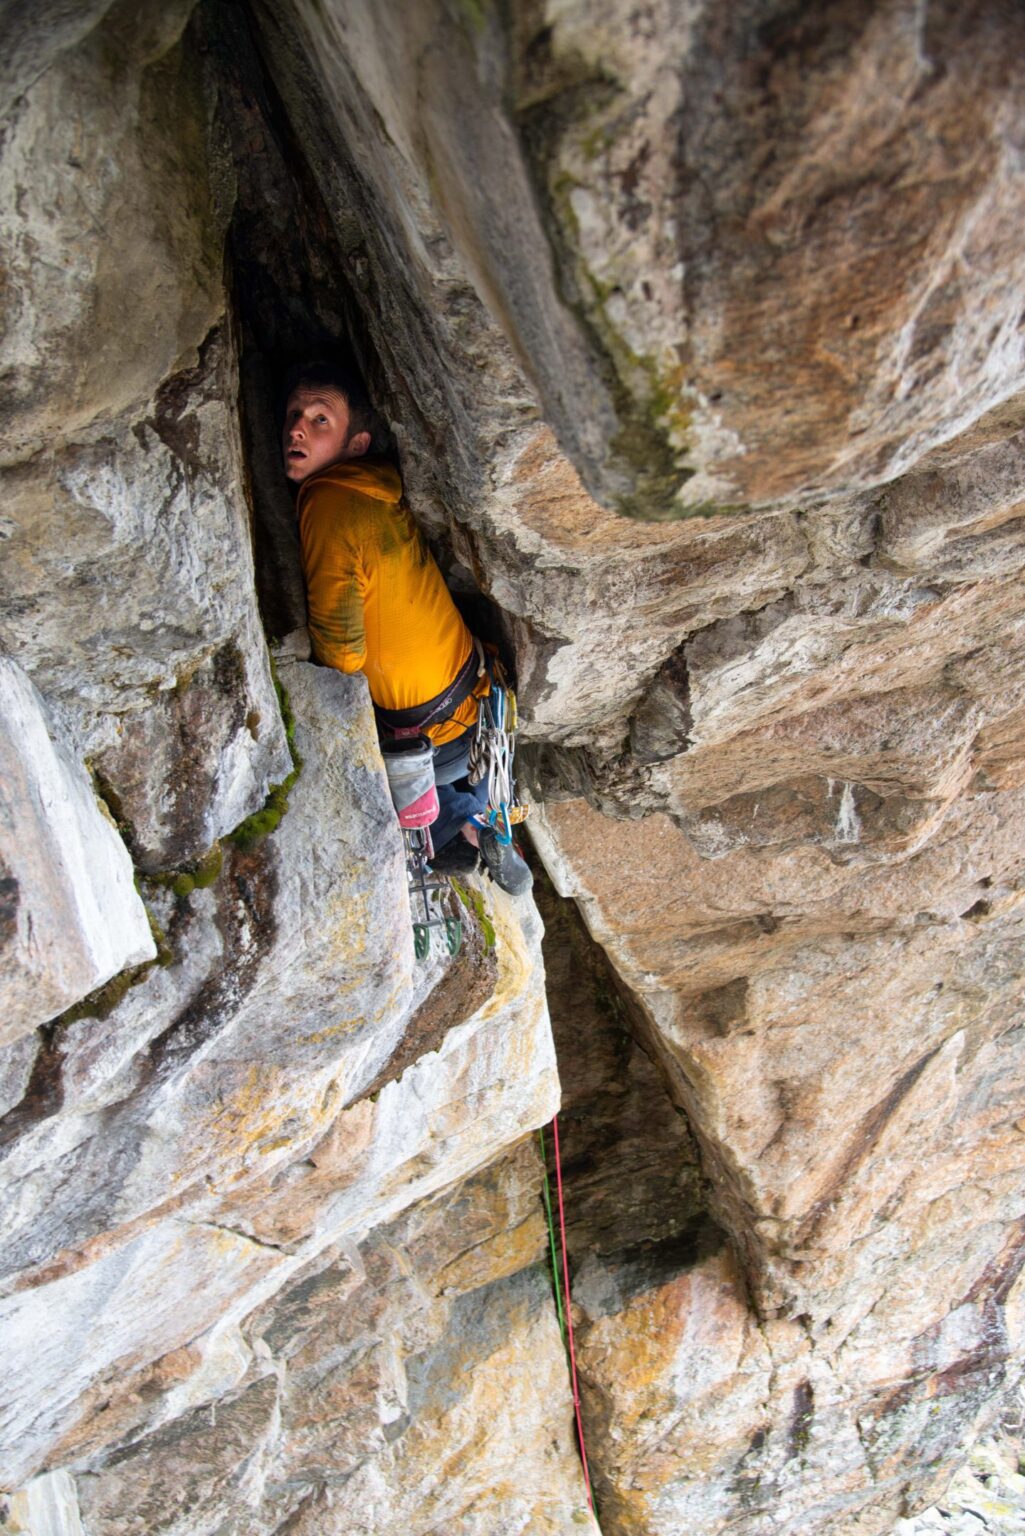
x=551, y=1236
x=565, y=1311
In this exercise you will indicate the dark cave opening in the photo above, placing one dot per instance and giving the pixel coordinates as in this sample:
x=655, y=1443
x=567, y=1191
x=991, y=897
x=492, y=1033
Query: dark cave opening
x=294, y=296
x=290, y=296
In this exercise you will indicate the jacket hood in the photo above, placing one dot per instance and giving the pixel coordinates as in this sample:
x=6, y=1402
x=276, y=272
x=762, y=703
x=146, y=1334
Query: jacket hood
x=366, y=477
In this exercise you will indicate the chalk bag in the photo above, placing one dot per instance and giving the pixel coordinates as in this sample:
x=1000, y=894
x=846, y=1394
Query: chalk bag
x=409, y=762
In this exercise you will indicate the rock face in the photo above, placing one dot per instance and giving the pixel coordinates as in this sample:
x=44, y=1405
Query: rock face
x=227, y=1162
x=988, y=1495
x=71, y=917
x=698, y=338
x=201, y=1141
x=765, y=221
x=127, y=586
x=372, y=1367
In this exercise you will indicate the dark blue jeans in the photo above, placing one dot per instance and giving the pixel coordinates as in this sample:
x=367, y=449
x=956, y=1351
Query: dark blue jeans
x=458, y=799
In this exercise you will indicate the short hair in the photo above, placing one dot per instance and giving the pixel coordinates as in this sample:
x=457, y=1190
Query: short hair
x=344, y=381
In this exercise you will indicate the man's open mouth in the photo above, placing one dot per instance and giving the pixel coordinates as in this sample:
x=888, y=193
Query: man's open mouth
x=297, y=453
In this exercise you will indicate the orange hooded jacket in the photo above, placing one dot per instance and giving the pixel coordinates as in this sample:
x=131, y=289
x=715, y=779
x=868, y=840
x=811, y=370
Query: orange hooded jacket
x=377, y=602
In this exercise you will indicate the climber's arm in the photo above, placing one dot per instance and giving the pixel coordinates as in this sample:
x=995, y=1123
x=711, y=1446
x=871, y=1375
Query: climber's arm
x=337, y=633
x=335, y=586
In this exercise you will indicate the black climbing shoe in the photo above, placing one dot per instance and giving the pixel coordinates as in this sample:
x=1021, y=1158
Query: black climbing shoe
x=504, y=864
x=458, y=857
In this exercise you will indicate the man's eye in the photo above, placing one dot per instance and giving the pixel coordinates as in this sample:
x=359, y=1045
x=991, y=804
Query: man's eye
x=321, y=418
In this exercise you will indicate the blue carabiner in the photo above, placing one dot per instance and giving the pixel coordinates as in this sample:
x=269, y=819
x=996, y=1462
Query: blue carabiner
x=503, y=833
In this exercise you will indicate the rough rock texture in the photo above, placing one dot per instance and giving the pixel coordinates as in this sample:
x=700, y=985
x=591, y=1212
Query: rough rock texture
x=700, y=1411
x=659, y=189
x=203, y=1140
x=183, y=1157
x=778, y=747
x=412, y=1381
x=271, y=1233
x=766, y=219
x=126, y=577
x=986, y=1498
x=71, y=918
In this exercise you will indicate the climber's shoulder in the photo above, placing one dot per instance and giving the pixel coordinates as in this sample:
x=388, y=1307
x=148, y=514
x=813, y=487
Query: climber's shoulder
x=357, y=494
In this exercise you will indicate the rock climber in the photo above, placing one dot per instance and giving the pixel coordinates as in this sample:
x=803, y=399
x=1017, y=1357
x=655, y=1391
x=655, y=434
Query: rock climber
x=378, y=604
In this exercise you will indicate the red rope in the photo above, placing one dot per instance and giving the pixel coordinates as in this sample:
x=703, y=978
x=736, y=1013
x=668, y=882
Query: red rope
x=569, y=1317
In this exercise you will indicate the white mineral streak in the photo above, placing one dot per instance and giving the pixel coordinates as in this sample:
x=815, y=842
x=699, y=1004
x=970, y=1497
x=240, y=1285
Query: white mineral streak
x=48, y=1506
x=78, y=918
x=848, y=825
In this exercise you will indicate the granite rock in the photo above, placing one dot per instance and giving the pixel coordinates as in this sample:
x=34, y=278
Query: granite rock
x=71, y=916
x=233, y=1114
x=765, y=221
x=271, y=1234
x=412, y=1377
x=127, y=568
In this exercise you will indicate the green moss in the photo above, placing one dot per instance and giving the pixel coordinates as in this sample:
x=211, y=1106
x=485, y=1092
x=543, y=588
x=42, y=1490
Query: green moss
x=473, y=901
x=209, y=867
x=655, y=422
x=474, y=12
x=645, y=440
x=277, y=800
x=597, y=142
x=200, y=874
x=165, y=954
x=195, y=876
x=256, y=827
x=266, y=820
x=101, y=1003
x=104, y=790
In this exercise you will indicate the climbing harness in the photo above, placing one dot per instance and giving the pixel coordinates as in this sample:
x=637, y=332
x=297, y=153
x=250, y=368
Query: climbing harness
x=564, y=1307
x=492, y=754
x=409, y=760
x=401, y=722
x=409, y=764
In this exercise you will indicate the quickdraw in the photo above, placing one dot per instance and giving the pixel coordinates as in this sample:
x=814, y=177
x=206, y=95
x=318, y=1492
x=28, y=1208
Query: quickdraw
x=493, y=751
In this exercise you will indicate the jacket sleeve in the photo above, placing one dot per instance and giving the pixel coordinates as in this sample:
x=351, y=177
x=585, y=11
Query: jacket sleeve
x=335, y=586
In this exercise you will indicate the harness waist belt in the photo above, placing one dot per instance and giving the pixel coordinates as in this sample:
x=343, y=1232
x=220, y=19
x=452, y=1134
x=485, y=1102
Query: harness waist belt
x=443, y=703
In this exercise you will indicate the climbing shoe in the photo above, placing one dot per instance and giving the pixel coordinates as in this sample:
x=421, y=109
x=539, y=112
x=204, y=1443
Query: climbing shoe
x=504, y=864
x=457, y=857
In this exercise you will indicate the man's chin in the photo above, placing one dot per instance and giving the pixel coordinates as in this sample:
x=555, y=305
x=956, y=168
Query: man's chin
x=297, y=470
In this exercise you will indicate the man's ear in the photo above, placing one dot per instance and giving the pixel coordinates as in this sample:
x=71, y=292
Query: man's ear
x=357, y=445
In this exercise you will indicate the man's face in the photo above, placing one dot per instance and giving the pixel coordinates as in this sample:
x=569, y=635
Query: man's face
x=316, y=432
